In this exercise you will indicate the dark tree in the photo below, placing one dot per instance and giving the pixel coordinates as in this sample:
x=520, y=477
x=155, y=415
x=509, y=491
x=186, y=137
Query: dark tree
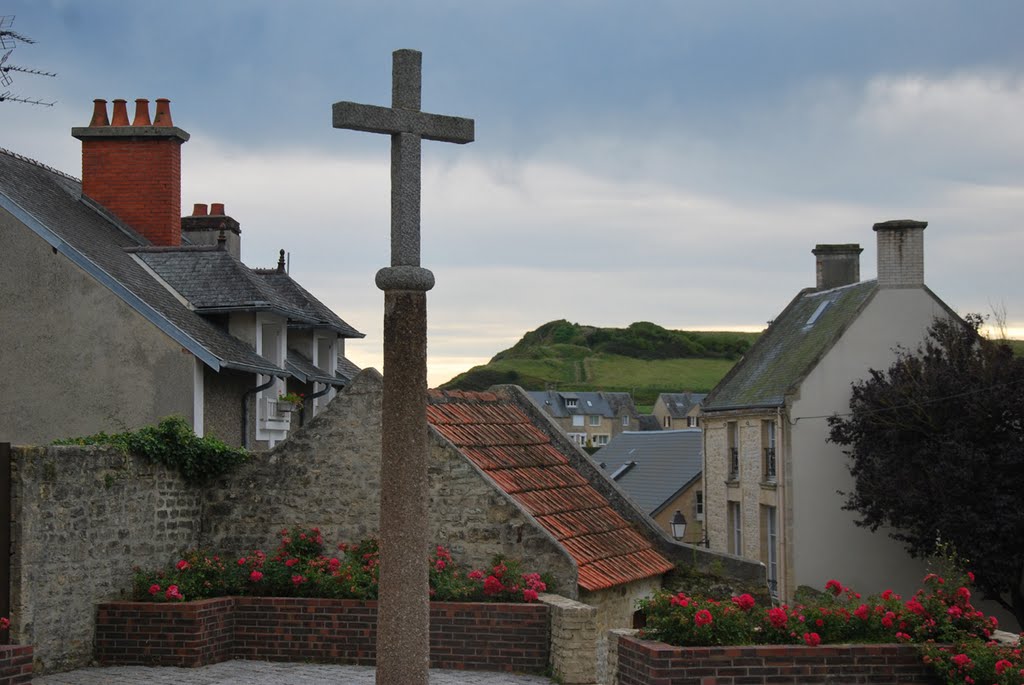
x=936, y=447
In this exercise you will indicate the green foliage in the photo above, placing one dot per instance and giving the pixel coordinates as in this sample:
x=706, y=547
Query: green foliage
x=644, y=359
x=301, y=567
x=936, y=447
x=173, y=444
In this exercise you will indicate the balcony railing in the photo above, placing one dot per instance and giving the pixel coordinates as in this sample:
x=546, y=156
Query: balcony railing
x=769, y=464
x=734, y=463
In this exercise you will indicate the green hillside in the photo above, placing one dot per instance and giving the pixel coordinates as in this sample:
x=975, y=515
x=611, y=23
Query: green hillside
x=644, y=359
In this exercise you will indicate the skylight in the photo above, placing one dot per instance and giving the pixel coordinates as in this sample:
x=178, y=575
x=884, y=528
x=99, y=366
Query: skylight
x=817, y=312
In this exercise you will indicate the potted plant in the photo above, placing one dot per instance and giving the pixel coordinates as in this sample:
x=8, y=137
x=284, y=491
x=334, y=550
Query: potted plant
x=289, y=402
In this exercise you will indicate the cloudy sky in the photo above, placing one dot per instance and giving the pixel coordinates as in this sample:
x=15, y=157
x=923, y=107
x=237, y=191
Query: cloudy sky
x=668, y=161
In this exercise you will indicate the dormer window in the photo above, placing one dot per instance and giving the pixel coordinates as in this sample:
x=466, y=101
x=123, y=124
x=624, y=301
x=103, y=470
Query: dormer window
x=570, y=402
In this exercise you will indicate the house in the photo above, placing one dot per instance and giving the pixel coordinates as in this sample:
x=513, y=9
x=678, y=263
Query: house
x=590, y=419
x=771, y=478
x=675, y=410
x=118, y=311
x=661, y=472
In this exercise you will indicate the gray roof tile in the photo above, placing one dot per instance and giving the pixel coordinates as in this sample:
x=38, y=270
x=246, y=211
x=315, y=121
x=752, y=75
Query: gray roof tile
x=790, y=348
x=662, y=463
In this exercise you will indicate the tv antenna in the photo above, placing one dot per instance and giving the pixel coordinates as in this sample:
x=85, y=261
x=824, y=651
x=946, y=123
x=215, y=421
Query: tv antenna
x=8, y=41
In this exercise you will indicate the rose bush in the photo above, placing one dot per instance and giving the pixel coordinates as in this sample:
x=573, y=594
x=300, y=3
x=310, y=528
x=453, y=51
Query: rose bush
x=954, y=636
x=301, y=567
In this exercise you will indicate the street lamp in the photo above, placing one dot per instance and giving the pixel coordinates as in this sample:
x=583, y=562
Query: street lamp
x=678, y=525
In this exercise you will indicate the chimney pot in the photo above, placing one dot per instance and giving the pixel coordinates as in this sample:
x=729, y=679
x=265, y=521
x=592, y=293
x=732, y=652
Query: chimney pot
x=199, y=209
x=163, y=113
x=141, y=113
x=120, y=113
x=837, y=265
x=99, y=113
x=217, y=209
x=900, y=253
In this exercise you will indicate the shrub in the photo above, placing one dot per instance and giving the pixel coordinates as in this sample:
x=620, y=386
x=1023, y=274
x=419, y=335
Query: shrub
x=300, y=567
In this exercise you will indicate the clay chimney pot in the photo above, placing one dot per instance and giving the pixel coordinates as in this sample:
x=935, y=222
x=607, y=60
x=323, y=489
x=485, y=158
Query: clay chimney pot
x=163, y=113
x=217, y=209
x=120, y=113
x=199, y=209
x=99, y=113
x=141, y=113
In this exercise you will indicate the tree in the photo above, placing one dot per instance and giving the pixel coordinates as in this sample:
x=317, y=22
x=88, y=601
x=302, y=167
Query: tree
x=936, y=447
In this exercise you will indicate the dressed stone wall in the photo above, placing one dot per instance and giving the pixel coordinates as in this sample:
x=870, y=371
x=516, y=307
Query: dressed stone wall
x=81, y=516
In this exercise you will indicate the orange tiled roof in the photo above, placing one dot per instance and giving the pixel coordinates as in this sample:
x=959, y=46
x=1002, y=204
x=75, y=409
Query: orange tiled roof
x=502, y=441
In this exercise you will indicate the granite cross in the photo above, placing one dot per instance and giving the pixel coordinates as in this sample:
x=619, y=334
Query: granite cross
x=403, y=620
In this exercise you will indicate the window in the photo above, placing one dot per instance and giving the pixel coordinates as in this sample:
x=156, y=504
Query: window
x=770, y=554
x=577, y=419
x=667, y=422
x=595, y=419
x=692, y=422
x=579, y=438
x=599, y=440
x=625, y=421
x=735, y=529
x=698, y=512
x=733, y=437
x=570, y=402
x=769, y=465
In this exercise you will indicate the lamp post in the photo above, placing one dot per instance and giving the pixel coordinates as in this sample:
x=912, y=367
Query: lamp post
x=678, y=525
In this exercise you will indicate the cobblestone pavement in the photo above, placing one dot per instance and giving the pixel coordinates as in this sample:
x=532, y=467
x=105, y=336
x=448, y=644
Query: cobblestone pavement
x=267, y=673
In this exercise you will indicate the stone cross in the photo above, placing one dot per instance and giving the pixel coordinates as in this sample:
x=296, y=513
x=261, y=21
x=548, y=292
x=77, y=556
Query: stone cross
x=403, y=618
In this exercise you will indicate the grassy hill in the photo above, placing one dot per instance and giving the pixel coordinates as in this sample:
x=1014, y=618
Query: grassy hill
x=644, y=359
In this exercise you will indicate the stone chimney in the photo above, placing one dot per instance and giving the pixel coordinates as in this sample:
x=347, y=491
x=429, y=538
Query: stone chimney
x=205, y=227
x=900, y=253
x=134, y=170
x=837, y=265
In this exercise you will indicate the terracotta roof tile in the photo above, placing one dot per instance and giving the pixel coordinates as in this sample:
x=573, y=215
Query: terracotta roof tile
x=502, y=441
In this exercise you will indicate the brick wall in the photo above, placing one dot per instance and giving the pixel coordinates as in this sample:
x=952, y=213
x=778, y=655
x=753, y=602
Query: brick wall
x=15, y=664
x=641, y=662
x=494, y=637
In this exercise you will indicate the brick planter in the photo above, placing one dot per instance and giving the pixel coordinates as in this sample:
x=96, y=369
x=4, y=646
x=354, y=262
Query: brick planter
x=15, y=664
x=642, y=662
x=494, y=637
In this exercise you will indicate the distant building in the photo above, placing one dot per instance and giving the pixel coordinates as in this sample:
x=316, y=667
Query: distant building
x=661, y=472
x=675, y=410
x=771, y=478
x=590, y=419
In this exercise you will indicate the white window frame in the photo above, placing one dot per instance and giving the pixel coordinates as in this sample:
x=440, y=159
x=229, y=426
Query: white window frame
x=736, y=534
x=594, y=420
x=698, y=505
x=692, y=422
x=599, y=440
x=772, y=527
x=625, y=420
x=270, y=425
x=578, y=420
x=570, y=402
x=667, y=421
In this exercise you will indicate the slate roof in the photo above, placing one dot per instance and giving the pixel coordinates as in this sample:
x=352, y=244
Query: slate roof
x=648, y=422
x=304, y=370
x=603, y=403
x=346, y=369
x=679, y=404
x=663, y=462
x=301, y=299
x=521, y=460
x=51, y=204
x=790, y=348
x=213, y=281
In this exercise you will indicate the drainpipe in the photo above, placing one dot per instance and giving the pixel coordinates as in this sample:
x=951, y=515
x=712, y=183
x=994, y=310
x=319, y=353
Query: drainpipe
x=245, y=408
x=302, y=414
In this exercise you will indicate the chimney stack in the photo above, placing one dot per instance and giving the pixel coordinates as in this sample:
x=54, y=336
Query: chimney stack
x=837, y=265
x=900, y=253
x=134, y=170
x=206, y=229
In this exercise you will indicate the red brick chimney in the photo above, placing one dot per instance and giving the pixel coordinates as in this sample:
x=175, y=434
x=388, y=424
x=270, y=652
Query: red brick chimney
x=134, y=170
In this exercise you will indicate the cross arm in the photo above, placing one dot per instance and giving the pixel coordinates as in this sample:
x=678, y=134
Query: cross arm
x=374, y=119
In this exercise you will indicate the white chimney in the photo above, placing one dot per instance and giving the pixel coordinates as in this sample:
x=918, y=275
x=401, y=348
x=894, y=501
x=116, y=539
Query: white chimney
x=900, y=253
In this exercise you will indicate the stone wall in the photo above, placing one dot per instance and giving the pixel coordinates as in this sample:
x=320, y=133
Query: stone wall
x=614, y=609
x=328, y=475
x=81, y=516
x=573, y=640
